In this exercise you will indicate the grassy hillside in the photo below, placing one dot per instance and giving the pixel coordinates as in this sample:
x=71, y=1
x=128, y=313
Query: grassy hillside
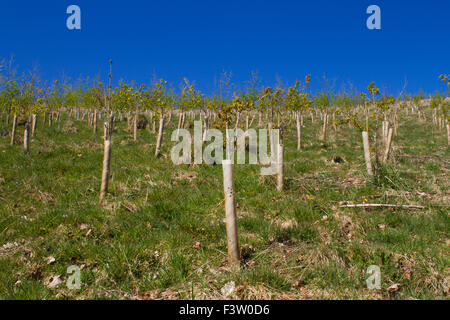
x=160, y=233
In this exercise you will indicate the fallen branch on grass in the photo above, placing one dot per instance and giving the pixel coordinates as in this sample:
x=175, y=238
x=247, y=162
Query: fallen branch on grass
x=381, y=205
x=424, y=157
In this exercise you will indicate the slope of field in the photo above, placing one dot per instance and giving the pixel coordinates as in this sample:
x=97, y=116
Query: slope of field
x=160, y=233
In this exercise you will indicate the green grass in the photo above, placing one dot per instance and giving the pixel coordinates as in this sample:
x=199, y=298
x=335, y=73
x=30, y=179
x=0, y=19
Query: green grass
x=160, y=233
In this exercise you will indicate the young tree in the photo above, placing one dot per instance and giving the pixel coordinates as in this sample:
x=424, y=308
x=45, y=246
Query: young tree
x=108, y=127
x=55, y=99
x=93, y=96
x=11, y=97
x=298, y=101
x=30, y=103
x=125, y=99
x=162, y=102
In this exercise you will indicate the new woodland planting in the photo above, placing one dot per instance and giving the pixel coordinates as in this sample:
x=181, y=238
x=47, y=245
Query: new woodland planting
x=87, y=179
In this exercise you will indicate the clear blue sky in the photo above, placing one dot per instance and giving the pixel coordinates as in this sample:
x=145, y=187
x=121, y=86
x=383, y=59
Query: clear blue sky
x=199, y=39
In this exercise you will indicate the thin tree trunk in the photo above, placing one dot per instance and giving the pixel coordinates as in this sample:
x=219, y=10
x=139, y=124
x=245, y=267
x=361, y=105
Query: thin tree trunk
x=13, y=131
x=180, y=121
x=324, y=127
x=280, y=167
x=135, y=126
x=271, y=142
x=95, y=120
x=334, y=122
x=299, y=134
x=388, y=145
x=448, y=133
x=206, y=127
x=237, y=121
x=183, y=118
x=160, y=135
x=33, y=124
x=170, y=117
x=251, y=121
x=395, y=123
x=366, y=112
x=153, y=123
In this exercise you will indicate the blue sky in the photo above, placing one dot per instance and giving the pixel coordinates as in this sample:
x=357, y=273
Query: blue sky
x=200, y=39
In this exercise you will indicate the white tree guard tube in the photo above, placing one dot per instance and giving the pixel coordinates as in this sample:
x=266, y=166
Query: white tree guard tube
x=230, y=211
x=365, y=137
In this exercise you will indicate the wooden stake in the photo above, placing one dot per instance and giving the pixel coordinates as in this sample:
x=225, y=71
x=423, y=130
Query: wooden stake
x=180, y=120
x=324, y=128
x=183, y=118
x=366, y=112
x=170, y=117
x=95, y=120
x=299, y=134
x=448, y=134
x=135, y=126
x=388, y=145
x=160, y=135
x=13, y=131
x=33, y=124
x=206, y=127
x=280, y=168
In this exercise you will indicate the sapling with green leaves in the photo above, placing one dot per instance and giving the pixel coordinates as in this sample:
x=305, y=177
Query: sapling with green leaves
x=437, y=101
x=183, y=102
x=94, y=97
x=55, y=99
x=374, y=91
x=298, y=101
x=162, y=102
x=280, y=110
x=123, y=99
x=137, y=103
x=11, y=96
